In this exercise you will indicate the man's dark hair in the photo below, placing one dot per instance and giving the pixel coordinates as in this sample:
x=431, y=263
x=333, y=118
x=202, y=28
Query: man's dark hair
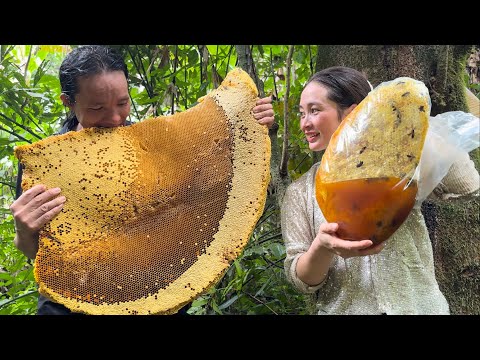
x=84, y=61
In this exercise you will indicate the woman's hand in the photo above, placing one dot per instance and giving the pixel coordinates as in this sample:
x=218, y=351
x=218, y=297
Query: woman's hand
x=313, y=265
x=327, y=238
x=263, y=111
x=31, y=211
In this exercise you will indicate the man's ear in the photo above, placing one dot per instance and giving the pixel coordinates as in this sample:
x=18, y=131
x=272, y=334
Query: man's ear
x=349, y=110
x=66, y=100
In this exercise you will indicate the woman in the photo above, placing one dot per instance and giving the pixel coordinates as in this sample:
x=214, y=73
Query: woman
x=354, y=277
x=94, y=87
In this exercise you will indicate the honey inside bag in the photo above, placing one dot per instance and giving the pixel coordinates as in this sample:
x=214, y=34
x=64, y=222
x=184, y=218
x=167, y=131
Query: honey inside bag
x=386, y=157
x=367, y=181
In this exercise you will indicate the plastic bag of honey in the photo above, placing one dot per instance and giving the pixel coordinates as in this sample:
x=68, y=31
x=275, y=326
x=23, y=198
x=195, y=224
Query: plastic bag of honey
x=367, y=181
x=386, y=157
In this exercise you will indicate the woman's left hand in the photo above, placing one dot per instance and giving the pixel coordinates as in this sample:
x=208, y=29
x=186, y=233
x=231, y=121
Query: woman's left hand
x=263, y=111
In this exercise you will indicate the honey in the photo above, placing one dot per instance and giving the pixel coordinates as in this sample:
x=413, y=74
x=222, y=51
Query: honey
x=372, y=208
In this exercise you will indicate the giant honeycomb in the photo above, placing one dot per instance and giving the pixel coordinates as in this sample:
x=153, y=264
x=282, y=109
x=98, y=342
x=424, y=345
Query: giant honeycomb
x=367, y=180
x=156, y=211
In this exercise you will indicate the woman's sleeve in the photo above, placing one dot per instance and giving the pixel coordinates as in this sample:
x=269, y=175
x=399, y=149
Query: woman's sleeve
x=297, y=235
x=461, y=182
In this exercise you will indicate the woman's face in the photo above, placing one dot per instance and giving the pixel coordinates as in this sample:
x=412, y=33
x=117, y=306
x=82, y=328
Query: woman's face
x=319, y=116
x=102, y=100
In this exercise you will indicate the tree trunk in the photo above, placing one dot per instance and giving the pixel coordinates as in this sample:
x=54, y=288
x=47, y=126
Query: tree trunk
x=453, y=227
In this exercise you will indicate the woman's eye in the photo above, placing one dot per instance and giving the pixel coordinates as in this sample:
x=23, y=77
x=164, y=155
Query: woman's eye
x=96, y=108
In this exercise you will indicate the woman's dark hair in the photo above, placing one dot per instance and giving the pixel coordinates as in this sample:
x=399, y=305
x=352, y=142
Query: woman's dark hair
x=86, y=61
x=346, y=86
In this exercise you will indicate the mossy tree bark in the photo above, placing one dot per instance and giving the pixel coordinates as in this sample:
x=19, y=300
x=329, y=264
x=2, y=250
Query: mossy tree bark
x=453, y=227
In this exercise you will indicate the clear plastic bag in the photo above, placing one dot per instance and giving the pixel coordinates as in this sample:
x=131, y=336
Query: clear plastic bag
x=368, y=178
x=449, y=134
x=371, y=177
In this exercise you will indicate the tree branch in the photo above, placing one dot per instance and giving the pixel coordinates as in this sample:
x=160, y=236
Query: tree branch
x=273, y=75
x=175, y=63
x=21, y=126
x=15, y=134
x=286, y=134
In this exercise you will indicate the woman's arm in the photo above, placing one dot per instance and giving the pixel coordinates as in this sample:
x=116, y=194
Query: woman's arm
x=309, y=255
x=461, y=182
x=312, y=266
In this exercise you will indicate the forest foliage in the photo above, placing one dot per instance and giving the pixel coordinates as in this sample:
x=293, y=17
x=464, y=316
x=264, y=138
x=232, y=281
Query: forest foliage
x=163, y=79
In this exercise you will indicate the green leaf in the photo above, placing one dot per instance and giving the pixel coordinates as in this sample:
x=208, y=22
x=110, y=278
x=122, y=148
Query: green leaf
x=216, y=308
x=5, y=276
x=277, y=250
x=37, y=95
x=228, y=302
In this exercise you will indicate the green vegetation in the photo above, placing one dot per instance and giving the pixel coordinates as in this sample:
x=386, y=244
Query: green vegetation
x=163, y=79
